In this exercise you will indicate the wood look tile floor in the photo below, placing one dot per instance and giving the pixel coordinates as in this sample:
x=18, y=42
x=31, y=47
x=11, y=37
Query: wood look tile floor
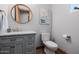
x=40, y=50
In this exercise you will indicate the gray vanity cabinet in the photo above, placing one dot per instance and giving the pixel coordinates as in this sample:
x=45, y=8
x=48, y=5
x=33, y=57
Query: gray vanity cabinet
x=17, y=44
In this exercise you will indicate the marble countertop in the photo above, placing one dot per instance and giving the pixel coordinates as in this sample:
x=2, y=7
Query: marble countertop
x=17, y=33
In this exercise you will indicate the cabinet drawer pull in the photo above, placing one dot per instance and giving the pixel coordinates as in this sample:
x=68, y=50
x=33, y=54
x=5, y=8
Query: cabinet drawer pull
x=12, y=39
x=4, y=51
x=12, y=47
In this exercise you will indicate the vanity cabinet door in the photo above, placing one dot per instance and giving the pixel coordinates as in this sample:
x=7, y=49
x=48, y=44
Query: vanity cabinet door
x=18, y=45
x=18, y=49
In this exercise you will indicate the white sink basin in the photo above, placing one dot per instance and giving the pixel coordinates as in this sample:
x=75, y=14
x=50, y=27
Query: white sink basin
x=18, y=33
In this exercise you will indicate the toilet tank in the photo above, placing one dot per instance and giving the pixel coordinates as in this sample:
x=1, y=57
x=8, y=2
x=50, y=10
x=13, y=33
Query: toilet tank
x=45, y=36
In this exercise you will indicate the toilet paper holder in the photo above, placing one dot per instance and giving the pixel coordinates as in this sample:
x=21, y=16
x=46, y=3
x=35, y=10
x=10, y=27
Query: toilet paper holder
x=66, y=36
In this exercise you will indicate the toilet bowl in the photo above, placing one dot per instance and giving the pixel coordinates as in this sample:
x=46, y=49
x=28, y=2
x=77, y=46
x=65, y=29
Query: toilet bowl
x=50, y=46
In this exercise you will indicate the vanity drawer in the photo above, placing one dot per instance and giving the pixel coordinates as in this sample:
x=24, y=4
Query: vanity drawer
x=5, y=39
x=29, y=37
x=29, y=44
x=6, y=48
x=30, y=50
x=19, y=39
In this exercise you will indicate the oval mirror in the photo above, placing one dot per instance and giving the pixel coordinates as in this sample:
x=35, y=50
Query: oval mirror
x=21, y=13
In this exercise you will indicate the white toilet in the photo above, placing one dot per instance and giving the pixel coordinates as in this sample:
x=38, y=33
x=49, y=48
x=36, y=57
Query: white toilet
x=50, y=46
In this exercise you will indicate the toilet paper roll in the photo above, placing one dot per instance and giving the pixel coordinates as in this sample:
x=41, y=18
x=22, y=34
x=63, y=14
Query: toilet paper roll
x=66, y=36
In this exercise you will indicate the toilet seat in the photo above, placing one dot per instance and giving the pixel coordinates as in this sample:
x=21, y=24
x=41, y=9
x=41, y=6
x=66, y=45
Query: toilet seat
x=50, y=44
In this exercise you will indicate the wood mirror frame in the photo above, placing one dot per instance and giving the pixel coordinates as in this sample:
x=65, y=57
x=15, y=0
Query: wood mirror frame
x=17, y=13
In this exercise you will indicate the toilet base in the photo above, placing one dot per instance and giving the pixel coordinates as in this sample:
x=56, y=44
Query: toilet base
x=47, y=51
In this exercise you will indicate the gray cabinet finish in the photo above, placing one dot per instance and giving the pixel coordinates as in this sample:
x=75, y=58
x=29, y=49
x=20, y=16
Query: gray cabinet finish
x=18, y=44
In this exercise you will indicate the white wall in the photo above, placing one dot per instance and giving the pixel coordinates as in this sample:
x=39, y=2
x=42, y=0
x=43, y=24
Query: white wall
x=34, y=24
x=65, y=22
